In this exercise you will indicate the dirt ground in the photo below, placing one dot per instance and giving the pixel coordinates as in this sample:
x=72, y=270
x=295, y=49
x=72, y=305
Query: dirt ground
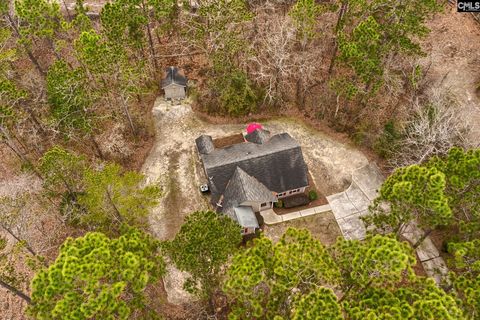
x=453, y=50
x=322, y=226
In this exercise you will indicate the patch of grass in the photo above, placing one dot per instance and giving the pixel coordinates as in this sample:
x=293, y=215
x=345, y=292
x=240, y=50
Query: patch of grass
x=323, y=226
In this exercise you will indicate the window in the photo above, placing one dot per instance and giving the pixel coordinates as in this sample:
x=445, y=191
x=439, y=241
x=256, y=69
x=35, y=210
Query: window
x=263, y=204
x=290, y=192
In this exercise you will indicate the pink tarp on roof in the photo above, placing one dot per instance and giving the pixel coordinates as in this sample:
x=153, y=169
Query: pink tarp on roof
x=253, y=126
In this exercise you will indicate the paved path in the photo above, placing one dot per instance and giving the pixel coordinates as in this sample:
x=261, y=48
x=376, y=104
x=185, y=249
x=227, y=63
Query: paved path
x=427, y=253
x=270, y=217
x=348, y=206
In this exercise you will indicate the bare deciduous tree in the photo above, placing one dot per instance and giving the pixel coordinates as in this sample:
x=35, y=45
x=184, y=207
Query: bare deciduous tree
x=435, y=127
x=274, y=61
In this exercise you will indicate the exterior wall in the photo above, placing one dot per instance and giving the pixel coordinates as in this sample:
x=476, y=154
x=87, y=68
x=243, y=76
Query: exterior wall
x=246, y=231
x=268, y=206
x=174, y=91
x=255, y=205
x=285, y=194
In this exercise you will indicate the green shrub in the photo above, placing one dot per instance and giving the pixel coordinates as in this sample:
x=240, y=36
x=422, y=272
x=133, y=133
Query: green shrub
x=279, y=204
x=387, y=141
x=235, y=93
x=312, y=195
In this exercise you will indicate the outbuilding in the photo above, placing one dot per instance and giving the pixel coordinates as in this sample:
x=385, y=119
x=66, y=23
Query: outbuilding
x=174, y=84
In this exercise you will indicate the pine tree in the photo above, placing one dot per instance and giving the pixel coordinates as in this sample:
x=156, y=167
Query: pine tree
x=305, y=14
x=98, y=277
x=371, y=34
x=62, y=172
x=12, y=102
x=108, y=67
x=466, y=278
x=112, y=198
x=11, y=278
x=442, y=191
x=70, y=100
x=265, y=279
x=319, y=304
x=418, y=299
x=413, y=193
x=376, y=262
x=202, y=247
x=462, y=176
x=39, y=20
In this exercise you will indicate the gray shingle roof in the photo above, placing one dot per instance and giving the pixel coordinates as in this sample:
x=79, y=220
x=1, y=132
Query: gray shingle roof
x=277, y=163
x=242, y=187
x=204, y=144
x=258, y=136
x=173, y=77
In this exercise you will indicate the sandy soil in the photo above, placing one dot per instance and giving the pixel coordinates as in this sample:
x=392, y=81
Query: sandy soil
x=453, y=50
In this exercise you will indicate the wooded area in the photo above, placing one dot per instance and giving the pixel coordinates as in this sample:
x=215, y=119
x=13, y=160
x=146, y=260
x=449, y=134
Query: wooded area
x=76, y=91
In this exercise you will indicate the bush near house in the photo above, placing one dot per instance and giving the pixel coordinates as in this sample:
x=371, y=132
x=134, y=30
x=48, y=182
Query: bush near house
x=312, y=195
x=279, y=204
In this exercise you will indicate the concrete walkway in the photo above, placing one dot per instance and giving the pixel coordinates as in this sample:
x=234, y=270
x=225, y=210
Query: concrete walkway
x=270, y=217
x=427, y=253
x=350, y=205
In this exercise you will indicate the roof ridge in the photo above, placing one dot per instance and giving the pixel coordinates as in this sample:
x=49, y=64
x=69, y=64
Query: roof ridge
x=240, y=170
x=254, y=179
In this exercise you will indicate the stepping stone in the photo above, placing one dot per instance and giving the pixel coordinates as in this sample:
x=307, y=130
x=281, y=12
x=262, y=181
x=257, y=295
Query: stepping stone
x=308, y=212
x=436, y=269
x=324, y=208
x=427, y=250
x=368, y=177
x=270, y=217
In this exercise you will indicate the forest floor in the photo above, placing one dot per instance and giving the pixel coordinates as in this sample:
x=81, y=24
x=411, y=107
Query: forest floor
x=174, y=163
x=453, y=53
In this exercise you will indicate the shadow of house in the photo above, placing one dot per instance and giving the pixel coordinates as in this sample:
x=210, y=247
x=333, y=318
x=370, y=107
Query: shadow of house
x=249, y=177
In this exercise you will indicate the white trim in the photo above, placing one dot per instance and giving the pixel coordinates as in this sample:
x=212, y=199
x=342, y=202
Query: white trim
x=174, y=84
x=287, y=193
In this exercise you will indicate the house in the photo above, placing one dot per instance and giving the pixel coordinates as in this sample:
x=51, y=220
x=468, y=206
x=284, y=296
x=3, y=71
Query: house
x=174, y=84
x=248, y=177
